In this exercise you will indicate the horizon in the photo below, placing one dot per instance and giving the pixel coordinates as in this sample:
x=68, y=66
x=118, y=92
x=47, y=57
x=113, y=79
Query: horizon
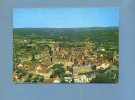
x=69, y=27
x=65, y=17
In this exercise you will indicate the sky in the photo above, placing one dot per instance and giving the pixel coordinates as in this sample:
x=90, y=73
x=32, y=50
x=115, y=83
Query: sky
x=65, y=17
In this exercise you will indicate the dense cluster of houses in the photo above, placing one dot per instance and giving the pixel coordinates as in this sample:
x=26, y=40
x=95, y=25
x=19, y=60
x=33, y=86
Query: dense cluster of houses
x=75, y=60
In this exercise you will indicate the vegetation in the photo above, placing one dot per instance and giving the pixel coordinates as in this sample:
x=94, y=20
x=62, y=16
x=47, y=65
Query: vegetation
x=46, y=47
x=58, y=70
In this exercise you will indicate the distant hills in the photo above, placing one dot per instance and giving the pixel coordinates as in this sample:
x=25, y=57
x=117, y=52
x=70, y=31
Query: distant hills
x=96, y=34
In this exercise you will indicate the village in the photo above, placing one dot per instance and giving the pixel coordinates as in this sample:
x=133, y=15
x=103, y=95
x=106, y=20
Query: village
x=48, y=61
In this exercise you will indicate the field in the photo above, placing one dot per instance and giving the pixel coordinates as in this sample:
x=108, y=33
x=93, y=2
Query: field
x=66, y=55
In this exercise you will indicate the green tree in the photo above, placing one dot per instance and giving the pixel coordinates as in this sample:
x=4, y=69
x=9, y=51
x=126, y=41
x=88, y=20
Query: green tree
x=104, y=78
x=58, y=70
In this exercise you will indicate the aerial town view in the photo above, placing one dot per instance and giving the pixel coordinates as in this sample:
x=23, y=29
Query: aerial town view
x=65, y=45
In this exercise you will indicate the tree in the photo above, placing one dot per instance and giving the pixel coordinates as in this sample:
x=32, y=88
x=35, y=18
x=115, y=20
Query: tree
x=105, y=78
x=58, y=70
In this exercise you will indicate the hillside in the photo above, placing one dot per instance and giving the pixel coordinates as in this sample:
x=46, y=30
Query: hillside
x=95, y=34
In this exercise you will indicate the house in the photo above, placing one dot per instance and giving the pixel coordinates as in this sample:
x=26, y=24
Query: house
x=68, y=79
x=16, y=78
x=38, y=69
x=82, y=79
x=43, y=72
x=47, y=75
x=20, y=66
x=68, y=63
x=103, y=66
x=57, y=80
